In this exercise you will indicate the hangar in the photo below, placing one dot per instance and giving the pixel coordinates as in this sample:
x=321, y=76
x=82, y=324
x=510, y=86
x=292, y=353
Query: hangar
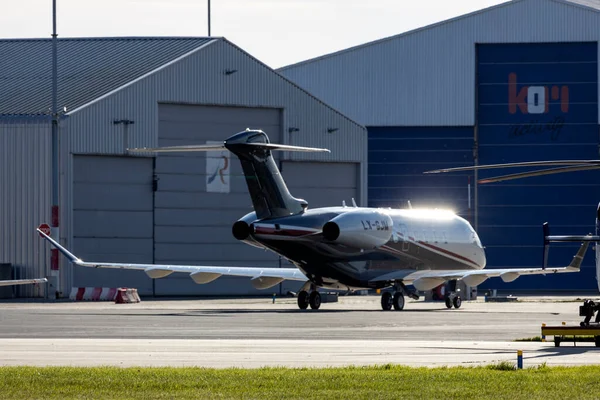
x=120, y=93
x=513, y=82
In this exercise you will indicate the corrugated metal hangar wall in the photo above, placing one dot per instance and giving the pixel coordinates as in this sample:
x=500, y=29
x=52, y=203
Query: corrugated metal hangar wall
x=172, y=208
x=551, y=113
x=514, y=82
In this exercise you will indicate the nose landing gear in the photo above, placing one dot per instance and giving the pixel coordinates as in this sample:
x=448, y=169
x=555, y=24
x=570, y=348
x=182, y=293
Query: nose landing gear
x=453, y=297
x=453, y=300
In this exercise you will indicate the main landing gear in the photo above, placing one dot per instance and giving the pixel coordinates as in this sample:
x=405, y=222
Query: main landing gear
x=305, y=299
x=396, y=299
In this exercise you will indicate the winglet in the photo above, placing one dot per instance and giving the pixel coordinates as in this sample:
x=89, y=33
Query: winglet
x=60, y=248
x=578, y=258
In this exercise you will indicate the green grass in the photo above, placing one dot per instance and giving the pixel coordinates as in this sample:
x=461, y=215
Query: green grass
x=500, y=381
x=565, y=339
x=531, y=339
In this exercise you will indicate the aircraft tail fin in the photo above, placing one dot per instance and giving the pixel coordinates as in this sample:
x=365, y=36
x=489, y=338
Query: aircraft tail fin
x=270, y=195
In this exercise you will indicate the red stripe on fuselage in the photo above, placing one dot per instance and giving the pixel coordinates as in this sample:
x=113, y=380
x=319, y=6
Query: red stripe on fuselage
x=261, y=230
x=449, y=253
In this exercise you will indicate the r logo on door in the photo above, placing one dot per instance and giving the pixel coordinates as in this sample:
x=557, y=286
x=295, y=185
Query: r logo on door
x=535, y=99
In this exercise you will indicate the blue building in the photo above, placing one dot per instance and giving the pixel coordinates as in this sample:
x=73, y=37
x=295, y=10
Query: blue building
x=513, y=82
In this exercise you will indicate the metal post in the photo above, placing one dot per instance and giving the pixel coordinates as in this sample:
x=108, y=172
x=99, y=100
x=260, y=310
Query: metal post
x=476, y=143
x=209, y=18
x=54, y=269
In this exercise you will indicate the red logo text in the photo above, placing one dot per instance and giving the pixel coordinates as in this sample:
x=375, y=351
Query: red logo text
x=535, y=99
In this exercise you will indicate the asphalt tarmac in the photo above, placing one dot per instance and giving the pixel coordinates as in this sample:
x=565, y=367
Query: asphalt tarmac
x=255, y=332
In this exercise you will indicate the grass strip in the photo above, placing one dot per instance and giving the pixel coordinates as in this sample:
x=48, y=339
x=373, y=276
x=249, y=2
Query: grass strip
x=500, y=381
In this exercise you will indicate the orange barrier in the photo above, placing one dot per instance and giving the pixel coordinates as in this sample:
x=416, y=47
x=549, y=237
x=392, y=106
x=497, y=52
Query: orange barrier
x=93, y=294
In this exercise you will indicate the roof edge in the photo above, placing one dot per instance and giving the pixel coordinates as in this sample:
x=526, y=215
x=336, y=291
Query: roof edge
x=296, y=85
x=110, y=38
x=403, y=34
x=578, y=5
x=23, y=118
x=136, y=80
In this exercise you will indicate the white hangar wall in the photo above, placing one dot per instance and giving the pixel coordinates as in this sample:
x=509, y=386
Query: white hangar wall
x=216, y=75
x=25, y=185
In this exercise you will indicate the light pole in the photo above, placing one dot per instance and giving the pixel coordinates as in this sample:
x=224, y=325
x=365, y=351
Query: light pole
x=54, y=270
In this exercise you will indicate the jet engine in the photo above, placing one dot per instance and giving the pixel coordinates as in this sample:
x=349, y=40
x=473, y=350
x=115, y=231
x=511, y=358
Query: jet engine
x=242, y=228
x=363, y=229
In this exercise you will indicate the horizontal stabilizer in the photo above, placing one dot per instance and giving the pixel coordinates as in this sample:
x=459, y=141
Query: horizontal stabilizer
x=213, y=147
x=179, y=149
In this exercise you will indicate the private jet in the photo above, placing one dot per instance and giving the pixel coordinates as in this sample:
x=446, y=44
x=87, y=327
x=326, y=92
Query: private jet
x=341, y=248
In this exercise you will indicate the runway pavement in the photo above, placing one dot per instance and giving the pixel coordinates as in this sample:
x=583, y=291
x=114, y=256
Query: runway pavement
x=254, y=332
x=253, y=353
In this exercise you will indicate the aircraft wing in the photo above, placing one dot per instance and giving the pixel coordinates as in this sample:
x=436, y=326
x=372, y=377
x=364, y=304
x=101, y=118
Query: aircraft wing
x=261, y=278
x=22, y=281
x=429, y=279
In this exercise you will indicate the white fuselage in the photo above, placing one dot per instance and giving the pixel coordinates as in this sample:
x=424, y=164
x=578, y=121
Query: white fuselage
x=438, y=231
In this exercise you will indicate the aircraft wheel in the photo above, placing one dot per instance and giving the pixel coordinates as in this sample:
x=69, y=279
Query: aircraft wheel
x=398, y=301
x=457, y=302
x=315, y=300
x=448, y=302
x=386, y=301
x=303, y=300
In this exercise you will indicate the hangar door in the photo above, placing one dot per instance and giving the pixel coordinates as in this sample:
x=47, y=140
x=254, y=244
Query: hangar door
x=112, y=219
x=398, y=156
x=537, y=102
x=200, y=195
x=322, y=184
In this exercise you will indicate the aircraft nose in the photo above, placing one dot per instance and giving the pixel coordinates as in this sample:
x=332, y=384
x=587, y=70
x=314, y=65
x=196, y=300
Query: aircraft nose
x=481, y=257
